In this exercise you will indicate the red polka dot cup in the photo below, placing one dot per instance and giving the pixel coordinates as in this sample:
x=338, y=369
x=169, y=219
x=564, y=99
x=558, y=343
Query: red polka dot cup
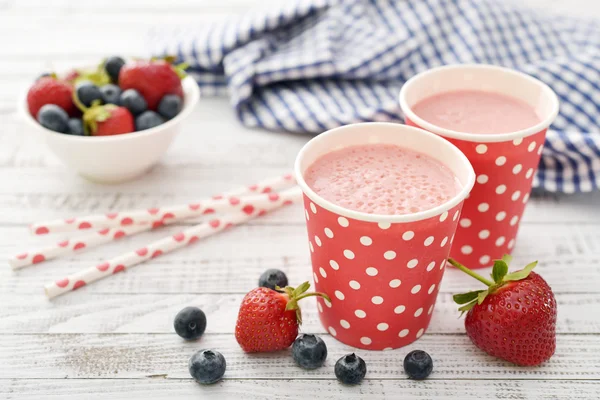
x=382, y=272
x=504, y=163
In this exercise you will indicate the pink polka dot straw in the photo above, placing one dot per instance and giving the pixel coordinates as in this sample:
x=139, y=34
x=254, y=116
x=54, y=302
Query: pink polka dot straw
x=251, y=207
x=112, y=226
x=158, y=216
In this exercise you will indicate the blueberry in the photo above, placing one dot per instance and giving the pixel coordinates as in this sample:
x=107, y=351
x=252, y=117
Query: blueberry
x=133, y=101
x=170, y=105
x=44, y=75
x=350, y=369
x=271, y=278
x=112, y=66
x=147, y=120
x=207, y=366
x=76, y=127
x=87, y=92
x=54, y=118
x=309, y=351
x=190, y=323
x=418, y=364
x=111, y=94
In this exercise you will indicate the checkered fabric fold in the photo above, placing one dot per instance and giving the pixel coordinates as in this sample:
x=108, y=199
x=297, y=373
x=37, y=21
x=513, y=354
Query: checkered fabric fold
x=308, y=66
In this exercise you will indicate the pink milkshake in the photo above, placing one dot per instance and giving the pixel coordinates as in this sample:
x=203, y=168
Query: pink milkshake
x=382, y=179
x=477, y=111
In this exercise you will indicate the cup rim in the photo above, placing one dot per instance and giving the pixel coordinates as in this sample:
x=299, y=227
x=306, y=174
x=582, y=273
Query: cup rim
x=383, y=218
x=479, y=137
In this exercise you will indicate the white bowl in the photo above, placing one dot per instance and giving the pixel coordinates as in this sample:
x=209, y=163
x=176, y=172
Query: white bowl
x=118, y=158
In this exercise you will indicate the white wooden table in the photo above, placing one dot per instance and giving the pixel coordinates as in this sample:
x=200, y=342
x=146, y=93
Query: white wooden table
x=114, y=339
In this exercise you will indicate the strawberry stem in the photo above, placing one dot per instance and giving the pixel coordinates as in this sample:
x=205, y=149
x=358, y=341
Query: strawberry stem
x=305, y=295
x=467, y=271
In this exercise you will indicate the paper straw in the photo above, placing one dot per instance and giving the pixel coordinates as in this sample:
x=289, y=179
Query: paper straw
x=69, y=246
x=168, y=244
x=226, y=201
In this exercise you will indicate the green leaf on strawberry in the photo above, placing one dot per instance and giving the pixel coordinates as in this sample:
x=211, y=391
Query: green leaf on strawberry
x=499, y=275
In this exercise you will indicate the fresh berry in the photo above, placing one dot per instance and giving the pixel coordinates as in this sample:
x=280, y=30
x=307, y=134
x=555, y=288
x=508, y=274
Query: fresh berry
x=268, y=320
x=111, y=94
x=514, y=318
x=133, y=101
x=418, y=364
x=350, y=369
x=76, y=127
x=112, y=66
x=153, y=79
x=272, y=278
x=54, y=118
x=49, y=90
x=87, y=93
x=190, y=323
x=207, y=366
x=170, y=105
x=71, y=76
x=309, y=351
x=147, y=119
x=106, y=120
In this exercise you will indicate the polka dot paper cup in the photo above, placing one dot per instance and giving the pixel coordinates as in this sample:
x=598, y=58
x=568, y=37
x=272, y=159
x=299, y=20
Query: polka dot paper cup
x=382, y=272
x=504, y=163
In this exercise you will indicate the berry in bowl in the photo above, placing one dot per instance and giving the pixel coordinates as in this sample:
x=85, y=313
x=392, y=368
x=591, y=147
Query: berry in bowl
x=111, y=123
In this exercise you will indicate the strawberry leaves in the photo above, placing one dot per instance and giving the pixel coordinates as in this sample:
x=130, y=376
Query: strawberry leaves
x=499, y=275
x=522, y=274
x=297, y=294
x=499, y=271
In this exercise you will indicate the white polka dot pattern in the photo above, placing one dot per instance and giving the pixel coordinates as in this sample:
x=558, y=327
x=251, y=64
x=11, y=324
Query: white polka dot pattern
x=490, y=217
x=377, y=274
x=394, y=283
x=382, y=326
x=366, y=241
x=366, y=340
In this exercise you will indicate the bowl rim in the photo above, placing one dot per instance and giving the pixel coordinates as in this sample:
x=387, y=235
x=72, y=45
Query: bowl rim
x=480, y=137
x=191, y=97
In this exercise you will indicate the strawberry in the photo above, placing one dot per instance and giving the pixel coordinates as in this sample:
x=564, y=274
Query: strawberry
x=514, y=318
x=50, y=90
x=106, y=120
x=71, y=76
x=152, y=79
x=268, y=320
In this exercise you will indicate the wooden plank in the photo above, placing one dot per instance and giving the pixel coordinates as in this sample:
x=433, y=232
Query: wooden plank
x=273, y=242
x=84, y=312
x=141, y=355
x=257, y=389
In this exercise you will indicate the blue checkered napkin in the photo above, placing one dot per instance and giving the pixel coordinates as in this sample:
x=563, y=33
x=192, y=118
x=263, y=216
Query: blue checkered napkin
x=313, y=65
